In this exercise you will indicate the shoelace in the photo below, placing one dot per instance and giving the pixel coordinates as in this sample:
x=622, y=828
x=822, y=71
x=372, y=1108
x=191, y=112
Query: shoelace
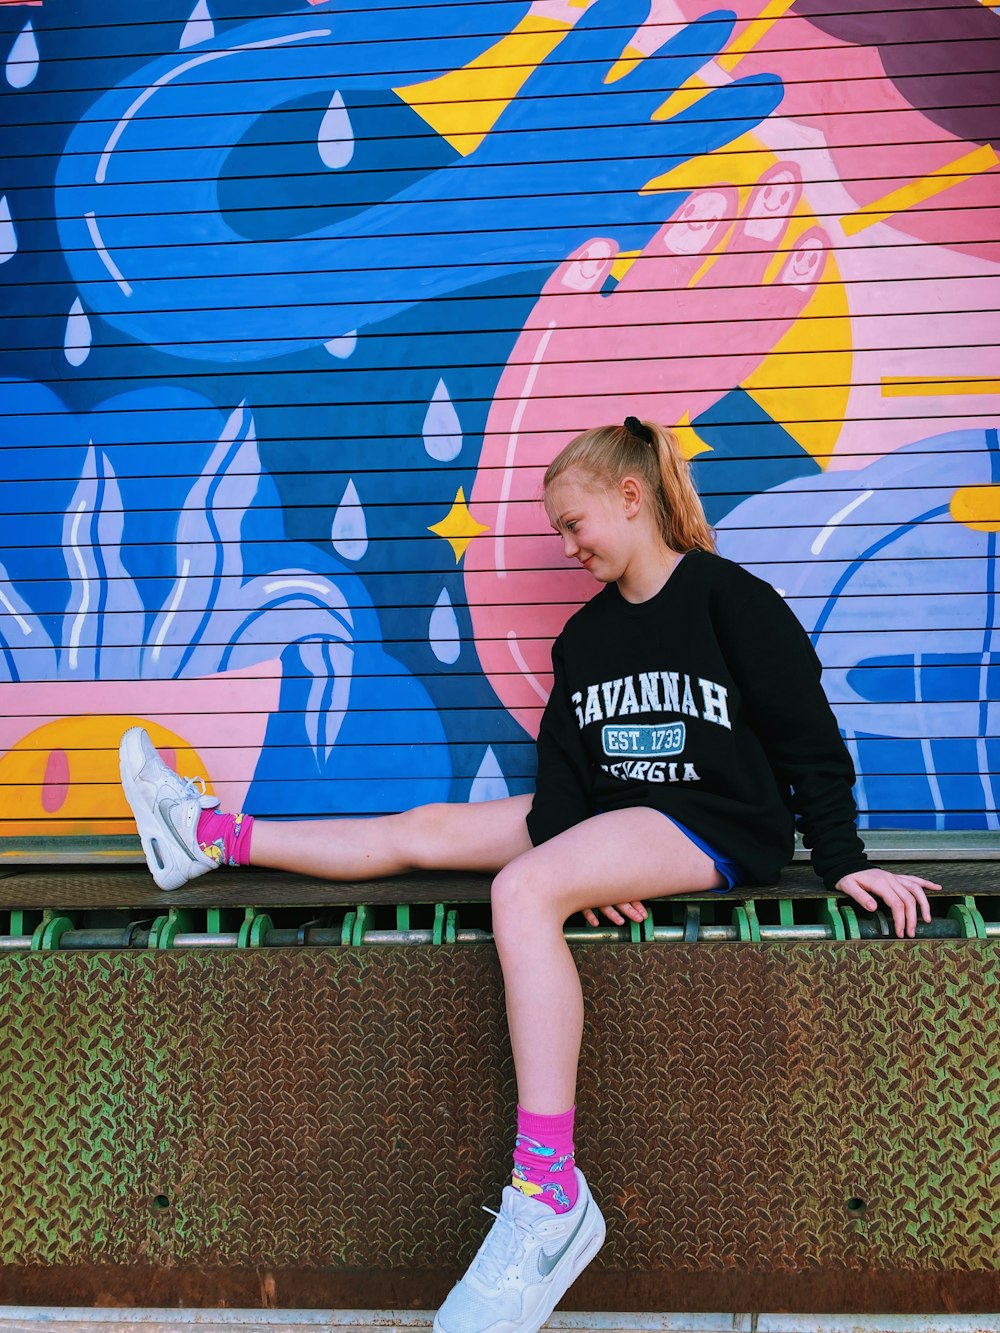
x=501, y=1246
x=195, y=788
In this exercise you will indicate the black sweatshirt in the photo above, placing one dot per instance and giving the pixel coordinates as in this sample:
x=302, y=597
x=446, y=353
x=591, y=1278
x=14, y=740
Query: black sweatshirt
x=704, y=702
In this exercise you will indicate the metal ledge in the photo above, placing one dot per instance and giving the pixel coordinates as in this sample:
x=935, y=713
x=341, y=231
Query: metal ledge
x=903, y=844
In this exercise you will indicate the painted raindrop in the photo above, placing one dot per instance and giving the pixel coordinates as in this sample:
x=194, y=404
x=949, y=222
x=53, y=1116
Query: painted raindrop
x=349, y=531
x=76, y=343
x=22, y=63
x=199, y=27
x=8, y=236
x=442, y=428
x=489, y=784
x=343, y=346
x=336, y=134
x=446, y=642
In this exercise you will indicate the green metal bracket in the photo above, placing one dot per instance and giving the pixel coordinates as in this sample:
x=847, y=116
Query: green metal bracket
x=17, y=924
x=445, y=924
x=786, y=912
x=50, y=930
x=363, y=920
x=347, y=929
x=746, y=922
x=642, y=931
x=402, y=916
x=254, y=928
x=851, y=927
x=830, y=916
x=969, y=917
x=165, y=929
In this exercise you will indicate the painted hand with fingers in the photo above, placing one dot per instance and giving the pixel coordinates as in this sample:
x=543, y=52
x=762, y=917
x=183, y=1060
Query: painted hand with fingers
x=904, y=895
x=692, y=317
x=616, y=913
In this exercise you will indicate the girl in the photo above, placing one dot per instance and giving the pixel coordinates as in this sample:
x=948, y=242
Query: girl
x=686, y=724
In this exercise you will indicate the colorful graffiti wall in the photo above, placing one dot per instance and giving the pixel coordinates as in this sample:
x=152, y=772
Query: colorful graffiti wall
x=298, y=304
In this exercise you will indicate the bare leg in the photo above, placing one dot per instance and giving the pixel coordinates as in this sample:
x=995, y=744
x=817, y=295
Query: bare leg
x=618, y=857
x=481, y=836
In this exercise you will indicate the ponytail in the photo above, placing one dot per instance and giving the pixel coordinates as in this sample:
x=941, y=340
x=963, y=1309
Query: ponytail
x=608, y=454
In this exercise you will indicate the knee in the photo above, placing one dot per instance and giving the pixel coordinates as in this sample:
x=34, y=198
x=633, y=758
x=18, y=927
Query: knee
x=519, y=893
x=421, y=833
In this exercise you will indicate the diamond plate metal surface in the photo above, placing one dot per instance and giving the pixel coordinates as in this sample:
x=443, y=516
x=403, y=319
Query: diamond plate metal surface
x=747, y=1114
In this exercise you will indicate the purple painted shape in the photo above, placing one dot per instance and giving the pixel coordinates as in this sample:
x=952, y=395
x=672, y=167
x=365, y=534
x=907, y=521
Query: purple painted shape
x=941, y=55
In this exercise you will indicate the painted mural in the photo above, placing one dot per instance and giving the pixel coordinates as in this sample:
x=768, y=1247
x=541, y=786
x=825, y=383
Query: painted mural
x=298, y=304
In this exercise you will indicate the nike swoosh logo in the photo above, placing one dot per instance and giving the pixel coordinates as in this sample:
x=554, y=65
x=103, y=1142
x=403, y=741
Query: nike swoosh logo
x=165, y=807
x=546, y=1262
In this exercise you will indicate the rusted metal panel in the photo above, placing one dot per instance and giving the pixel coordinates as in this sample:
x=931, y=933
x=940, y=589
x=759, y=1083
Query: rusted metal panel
x=796, y=1126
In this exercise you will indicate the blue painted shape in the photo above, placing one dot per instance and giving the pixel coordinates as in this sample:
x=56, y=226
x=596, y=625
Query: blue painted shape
x=751, y=453
x=391, y=752
x=900, y=602
x=141, y=260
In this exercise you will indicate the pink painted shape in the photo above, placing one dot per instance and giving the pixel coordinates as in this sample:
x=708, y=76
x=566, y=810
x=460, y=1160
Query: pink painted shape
x=222, y=717
x=663, y=343
x=55, y=783
x=877, y=140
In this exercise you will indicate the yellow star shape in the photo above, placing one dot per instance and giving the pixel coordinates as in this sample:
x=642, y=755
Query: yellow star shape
x=458, y=527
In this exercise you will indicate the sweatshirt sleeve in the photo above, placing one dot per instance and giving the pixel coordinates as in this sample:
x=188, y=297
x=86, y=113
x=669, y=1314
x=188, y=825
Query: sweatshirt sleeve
x=564, y=782
x=779, y=674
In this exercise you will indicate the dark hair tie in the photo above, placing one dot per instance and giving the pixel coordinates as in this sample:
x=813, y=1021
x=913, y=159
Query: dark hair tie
x=635, y=427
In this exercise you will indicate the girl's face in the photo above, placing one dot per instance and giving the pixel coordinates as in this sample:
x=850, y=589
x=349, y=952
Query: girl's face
x=593, y=523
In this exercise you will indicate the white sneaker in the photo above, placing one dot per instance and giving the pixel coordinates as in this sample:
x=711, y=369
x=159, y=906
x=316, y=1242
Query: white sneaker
x=524, y=1266
x=166, y=809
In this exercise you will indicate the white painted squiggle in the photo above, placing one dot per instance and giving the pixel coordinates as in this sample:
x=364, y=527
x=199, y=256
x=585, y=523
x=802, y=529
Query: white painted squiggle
x=837, y=519
x=518, y=656
x=298, y=585
x=925, y=745
x=102, y=250
x=512, y=440
x=172, y=608
x=147, y=93
x=23, y=625
x=81, y=615
x=985, y=777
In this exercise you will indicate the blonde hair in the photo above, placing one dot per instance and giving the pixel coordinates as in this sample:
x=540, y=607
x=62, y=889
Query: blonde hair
x=608, y=454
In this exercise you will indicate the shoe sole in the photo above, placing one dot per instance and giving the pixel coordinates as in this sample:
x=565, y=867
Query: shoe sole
x=131, y=757
x=555, y=1291
x=589, y=1249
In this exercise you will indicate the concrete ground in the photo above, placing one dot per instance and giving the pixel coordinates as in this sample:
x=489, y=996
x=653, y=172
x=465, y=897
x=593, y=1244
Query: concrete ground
x=32, y=1319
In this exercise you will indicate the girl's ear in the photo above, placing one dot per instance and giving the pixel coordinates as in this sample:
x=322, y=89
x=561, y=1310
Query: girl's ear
x=631, y=490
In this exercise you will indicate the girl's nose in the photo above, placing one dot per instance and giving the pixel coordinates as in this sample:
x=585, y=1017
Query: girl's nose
x=570, y=547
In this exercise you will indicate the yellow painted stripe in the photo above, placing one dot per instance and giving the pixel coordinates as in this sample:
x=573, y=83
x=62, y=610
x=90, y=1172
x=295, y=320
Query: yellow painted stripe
x=752, y=34
x=464, y=104
x=625, y=64
x=935, y=182
x=624, y=261
x=692, y=90
x=926, y=386
x=977, y=507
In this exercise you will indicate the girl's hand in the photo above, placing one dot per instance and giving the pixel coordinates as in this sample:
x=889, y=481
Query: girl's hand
x=635, y=911
x=902, y=894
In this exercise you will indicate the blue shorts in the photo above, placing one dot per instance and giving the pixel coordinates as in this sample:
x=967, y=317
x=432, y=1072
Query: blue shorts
x=731, y=871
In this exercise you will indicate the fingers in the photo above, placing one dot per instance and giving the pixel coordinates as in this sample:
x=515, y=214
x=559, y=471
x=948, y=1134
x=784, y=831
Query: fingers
x=904, y=896
x=634, y=911
x=585, y=270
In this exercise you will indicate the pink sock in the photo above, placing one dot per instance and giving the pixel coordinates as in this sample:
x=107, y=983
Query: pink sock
x=543, y=1159
x=225, y=838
